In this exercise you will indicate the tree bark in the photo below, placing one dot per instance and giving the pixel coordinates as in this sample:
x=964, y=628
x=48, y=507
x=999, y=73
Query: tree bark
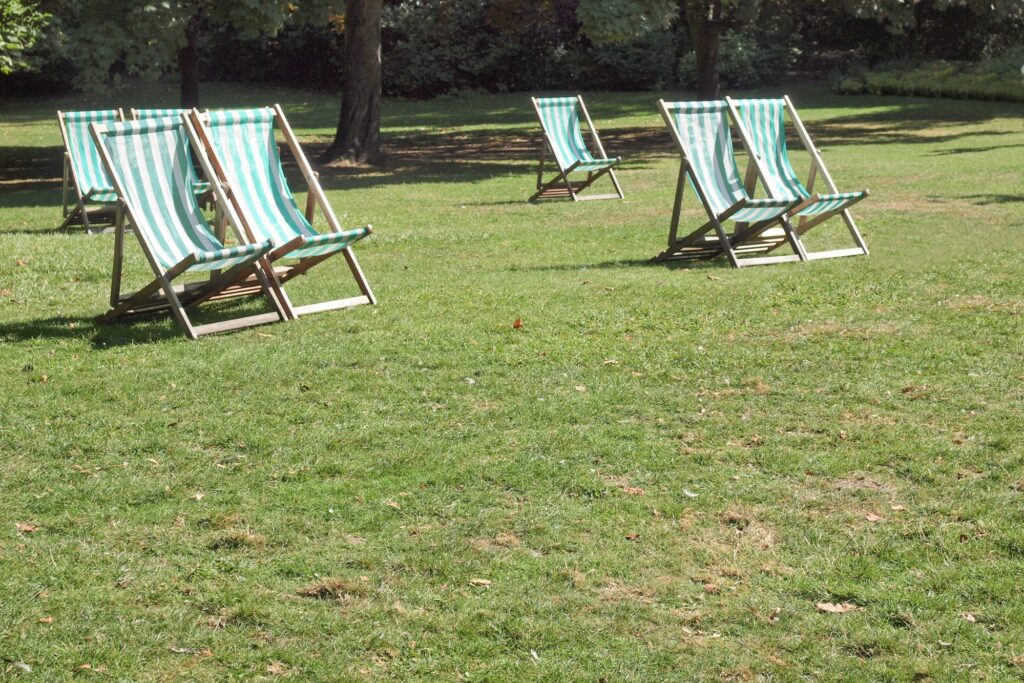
x=188, y=65
x=706, y=34
x=706, y=45
x=358, y=137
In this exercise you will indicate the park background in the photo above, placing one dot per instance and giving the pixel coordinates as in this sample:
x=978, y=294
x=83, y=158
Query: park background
x=541, y=456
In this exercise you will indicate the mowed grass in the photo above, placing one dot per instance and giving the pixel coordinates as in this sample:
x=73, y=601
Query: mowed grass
x=657, y=477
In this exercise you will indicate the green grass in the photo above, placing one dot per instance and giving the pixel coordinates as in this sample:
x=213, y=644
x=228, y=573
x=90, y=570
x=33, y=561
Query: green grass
x=315, y=499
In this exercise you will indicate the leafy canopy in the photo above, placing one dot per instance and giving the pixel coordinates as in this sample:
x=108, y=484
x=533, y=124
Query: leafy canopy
x=21, y=27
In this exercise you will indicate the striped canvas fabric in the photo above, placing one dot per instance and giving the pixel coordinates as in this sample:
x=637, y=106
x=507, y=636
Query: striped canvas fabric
x=201, y=186
x=153, y=166
x=243, y=140
x=703, y=128
x=157, y=113
x=764, y=122
x=85, y=158
x=561, y=122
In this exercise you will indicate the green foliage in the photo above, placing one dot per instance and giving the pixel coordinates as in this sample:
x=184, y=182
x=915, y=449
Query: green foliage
x=642, y=63
x=744, y=62
x=110, y=39
x=21, y=27
x=994, y=79
x=621, y=20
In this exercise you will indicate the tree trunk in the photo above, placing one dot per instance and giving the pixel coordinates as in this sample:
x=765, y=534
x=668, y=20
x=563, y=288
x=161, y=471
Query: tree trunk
x=188, y=65
x=358, y=136
x=707, y=37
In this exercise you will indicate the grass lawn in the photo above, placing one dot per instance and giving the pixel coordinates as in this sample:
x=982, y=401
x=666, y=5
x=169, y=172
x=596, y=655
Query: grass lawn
x=658, y=477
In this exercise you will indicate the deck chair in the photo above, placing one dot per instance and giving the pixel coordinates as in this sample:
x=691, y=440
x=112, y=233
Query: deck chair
x=702, y=134
x=237, y=147
x=202, y=187
x=150, y=165
x=84, y=172
x=560, y=124
x=762, y=126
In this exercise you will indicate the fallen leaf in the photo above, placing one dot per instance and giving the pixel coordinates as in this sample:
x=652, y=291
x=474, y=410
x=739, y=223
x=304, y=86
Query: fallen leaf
x=45, y=620
x=83, y=667
x=633, y=490
x=632, y=537
x=277, y=668
x=393, y=504
x=1014, y=661
x=26, y=528
x=689, y=494
x=534, y=655
x=714, y=277
x=202, y=652
x=968, y=617
x=836, y=607
x=712, y=589
x=153, y=461
x=580, y=388
x=22, y=262
x=518, y=324
x=898, y=508
x=198, y=496
x=609, y=361
x=872, y=517
x=480, y=582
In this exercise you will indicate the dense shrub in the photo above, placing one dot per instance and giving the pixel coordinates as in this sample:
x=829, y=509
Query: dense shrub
x=743, y=62
x=993, y=79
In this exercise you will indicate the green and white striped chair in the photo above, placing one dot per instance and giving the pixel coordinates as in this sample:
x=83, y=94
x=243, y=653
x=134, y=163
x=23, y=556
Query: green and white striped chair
x=151, y=168
x=140, y=114
x=762, y=126
x=560, y=123
x=702, y=134
x=202, y=187
x=238, y=148
x=84, y=172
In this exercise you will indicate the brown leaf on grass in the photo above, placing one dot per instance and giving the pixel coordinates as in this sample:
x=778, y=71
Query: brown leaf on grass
x=518, y=324
x=26, y=528
x=712, y=589
x=482, y=583
x=872, y=517
x=714, y=277
x=393, y=504
x=198, y=496
x=836, y=607
x=968, y=617
x=6, y=294
x=45, y=620
x=898, y=508
x=633, y=490
x=580, y=388
x=333, y=589
x=1017, y=661
x=22, y=262
x=609, y=361
x=200, y=651
x=277, y=668
x=632, y=537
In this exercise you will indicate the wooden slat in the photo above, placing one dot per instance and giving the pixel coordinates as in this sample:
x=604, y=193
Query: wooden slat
x=332, y=305
x=236, y=323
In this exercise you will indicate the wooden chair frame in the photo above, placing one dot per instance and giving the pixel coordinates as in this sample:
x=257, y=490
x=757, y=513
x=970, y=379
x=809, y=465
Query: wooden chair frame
x=214, y=170
x=560, y=185
x=242, y=279
x=699, y=245
x=106, y=216
x=805, y=223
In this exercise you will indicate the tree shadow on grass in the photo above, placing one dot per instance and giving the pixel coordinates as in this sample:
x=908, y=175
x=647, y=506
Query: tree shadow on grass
x=142, y=329
x=987, y=199
x=716, y=264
